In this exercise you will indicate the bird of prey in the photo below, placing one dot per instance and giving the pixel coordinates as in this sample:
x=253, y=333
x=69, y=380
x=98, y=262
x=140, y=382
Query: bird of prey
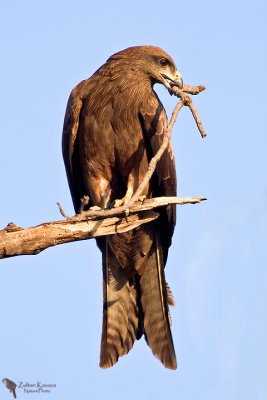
x=10, y=385
x=113, y=126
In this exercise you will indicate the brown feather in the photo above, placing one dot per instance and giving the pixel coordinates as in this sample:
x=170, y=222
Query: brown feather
x=120, y=314
x=155, y=308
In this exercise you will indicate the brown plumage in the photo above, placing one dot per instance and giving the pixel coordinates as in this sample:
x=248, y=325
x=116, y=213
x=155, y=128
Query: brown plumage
x=114, y=124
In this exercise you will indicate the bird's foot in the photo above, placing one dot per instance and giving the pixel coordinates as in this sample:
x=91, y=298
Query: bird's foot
x=118, y=203
x=121, y=202
x=142, y=198
x=84, y=204
x=95, y=208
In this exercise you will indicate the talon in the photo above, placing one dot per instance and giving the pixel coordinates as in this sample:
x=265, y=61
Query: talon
x=142, y=198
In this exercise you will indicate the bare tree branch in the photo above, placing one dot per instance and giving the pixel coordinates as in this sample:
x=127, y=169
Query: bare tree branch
x=15, y=240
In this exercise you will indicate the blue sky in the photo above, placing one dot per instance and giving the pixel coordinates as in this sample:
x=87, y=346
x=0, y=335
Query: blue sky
x=51, y=304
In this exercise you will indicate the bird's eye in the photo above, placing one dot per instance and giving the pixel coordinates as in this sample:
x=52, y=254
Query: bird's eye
x=164, y=62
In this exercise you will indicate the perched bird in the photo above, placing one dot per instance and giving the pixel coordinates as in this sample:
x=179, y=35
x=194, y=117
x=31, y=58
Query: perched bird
x=10, y=385
x=113, y=126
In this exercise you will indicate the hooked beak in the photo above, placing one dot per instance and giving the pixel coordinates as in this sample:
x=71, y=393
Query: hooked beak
x=175, y=79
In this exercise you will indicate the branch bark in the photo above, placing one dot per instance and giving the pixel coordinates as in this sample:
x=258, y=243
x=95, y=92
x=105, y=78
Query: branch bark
x=15, y=240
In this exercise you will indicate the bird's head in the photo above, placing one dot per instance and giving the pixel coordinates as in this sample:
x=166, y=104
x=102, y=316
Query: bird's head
x=152, y=62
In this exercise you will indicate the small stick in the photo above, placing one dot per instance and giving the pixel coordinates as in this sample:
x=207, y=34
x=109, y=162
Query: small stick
x=188, y=102
x=62, y=212
x=192, y=89
x=197, y=119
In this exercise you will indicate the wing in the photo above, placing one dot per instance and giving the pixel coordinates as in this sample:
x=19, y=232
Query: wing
x=154, y=122
x=69, y=145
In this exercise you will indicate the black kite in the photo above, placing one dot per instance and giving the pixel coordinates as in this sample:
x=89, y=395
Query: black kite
x=114, y=124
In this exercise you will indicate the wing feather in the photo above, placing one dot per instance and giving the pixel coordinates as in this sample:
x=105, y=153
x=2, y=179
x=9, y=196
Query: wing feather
x=154, y=124
x=69, y=139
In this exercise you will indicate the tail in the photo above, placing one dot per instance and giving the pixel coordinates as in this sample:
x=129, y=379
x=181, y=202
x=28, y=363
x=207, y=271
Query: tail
x=154, y=297
x=120, y=314
x=14, y=394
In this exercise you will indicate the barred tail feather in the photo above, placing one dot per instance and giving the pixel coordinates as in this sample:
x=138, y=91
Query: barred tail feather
x=120, y=316
x=155, y=308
